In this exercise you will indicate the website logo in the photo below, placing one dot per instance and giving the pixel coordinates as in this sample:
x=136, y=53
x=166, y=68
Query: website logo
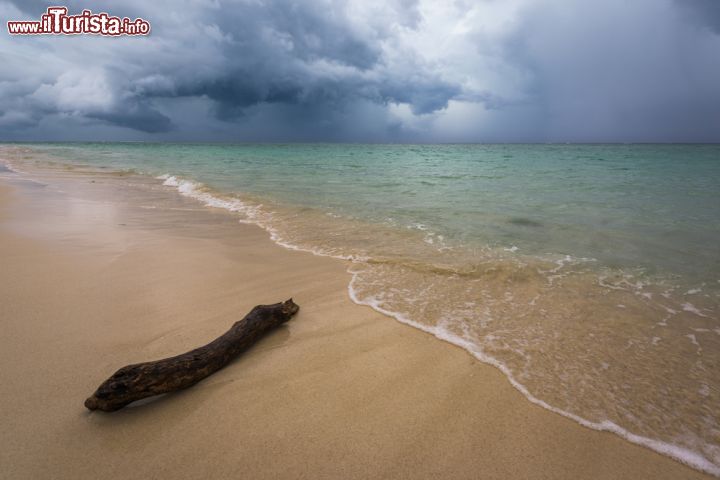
x=56, y=21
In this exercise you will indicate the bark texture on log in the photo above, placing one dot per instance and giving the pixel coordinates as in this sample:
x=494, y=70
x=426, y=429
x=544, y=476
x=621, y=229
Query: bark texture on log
x=142, y=380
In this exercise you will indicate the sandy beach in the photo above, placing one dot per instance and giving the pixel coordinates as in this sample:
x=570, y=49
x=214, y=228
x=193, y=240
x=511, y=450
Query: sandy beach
x=96, y=275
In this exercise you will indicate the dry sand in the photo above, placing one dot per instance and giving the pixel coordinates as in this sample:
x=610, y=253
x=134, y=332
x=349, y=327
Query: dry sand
x=92, y=280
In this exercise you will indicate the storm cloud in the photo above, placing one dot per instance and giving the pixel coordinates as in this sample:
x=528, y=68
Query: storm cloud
x=402, y=70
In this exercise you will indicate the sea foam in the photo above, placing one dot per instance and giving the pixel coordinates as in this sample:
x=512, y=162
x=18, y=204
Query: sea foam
x=254, y=214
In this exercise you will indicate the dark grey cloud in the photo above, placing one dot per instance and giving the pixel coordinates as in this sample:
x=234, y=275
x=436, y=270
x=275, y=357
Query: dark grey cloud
x=395, y=70
x=600, y=74
x=241, y=54
x=705, y=12
x=138, y=117
x=300, y=53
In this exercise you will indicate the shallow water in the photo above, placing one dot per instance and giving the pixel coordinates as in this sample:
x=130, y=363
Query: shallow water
x=589, y=274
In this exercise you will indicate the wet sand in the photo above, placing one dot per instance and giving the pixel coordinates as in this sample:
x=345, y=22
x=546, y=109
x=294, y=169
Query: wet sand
x=95, y=276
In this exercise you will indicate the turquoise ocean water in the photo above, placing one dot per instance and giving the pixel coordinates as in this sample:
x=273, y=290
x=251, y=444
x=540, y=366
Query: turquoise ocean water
x=589, y=274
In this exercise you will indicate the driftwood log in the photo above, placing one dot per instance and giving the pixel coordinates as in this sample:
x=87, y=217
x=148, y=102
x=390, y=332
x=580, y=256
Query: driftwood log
x=142, y=380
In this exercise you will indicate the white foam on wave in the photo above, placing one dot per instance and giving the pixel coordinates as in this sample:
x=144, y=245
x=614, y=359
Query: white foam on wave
x=195, y=190
x=254, y=216
x=688, y=457
x=430, y=237
x=560, y=271
x=7, y=166
x=689, y=307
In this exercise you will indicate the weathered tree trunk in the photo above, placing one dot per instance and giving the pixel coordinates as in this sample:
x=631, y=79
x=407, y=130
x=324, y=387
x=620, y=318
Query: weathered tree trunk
x=142, y=380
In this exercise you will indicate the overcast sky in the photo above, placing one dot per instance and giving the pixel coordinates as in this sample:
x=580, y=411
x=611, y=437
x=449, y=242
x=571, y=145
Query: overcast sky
x=366, y=70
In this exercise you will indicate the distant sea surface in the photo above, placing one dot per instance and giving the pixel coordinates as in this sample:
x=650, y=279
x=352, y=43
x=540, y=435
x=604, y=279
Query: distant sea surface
x=589, y=274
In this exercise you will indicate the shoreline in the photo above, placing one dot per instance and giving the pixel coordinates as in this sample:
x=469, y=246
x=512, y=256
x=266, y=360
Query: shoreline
x=192, y=189
x=386, y=357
